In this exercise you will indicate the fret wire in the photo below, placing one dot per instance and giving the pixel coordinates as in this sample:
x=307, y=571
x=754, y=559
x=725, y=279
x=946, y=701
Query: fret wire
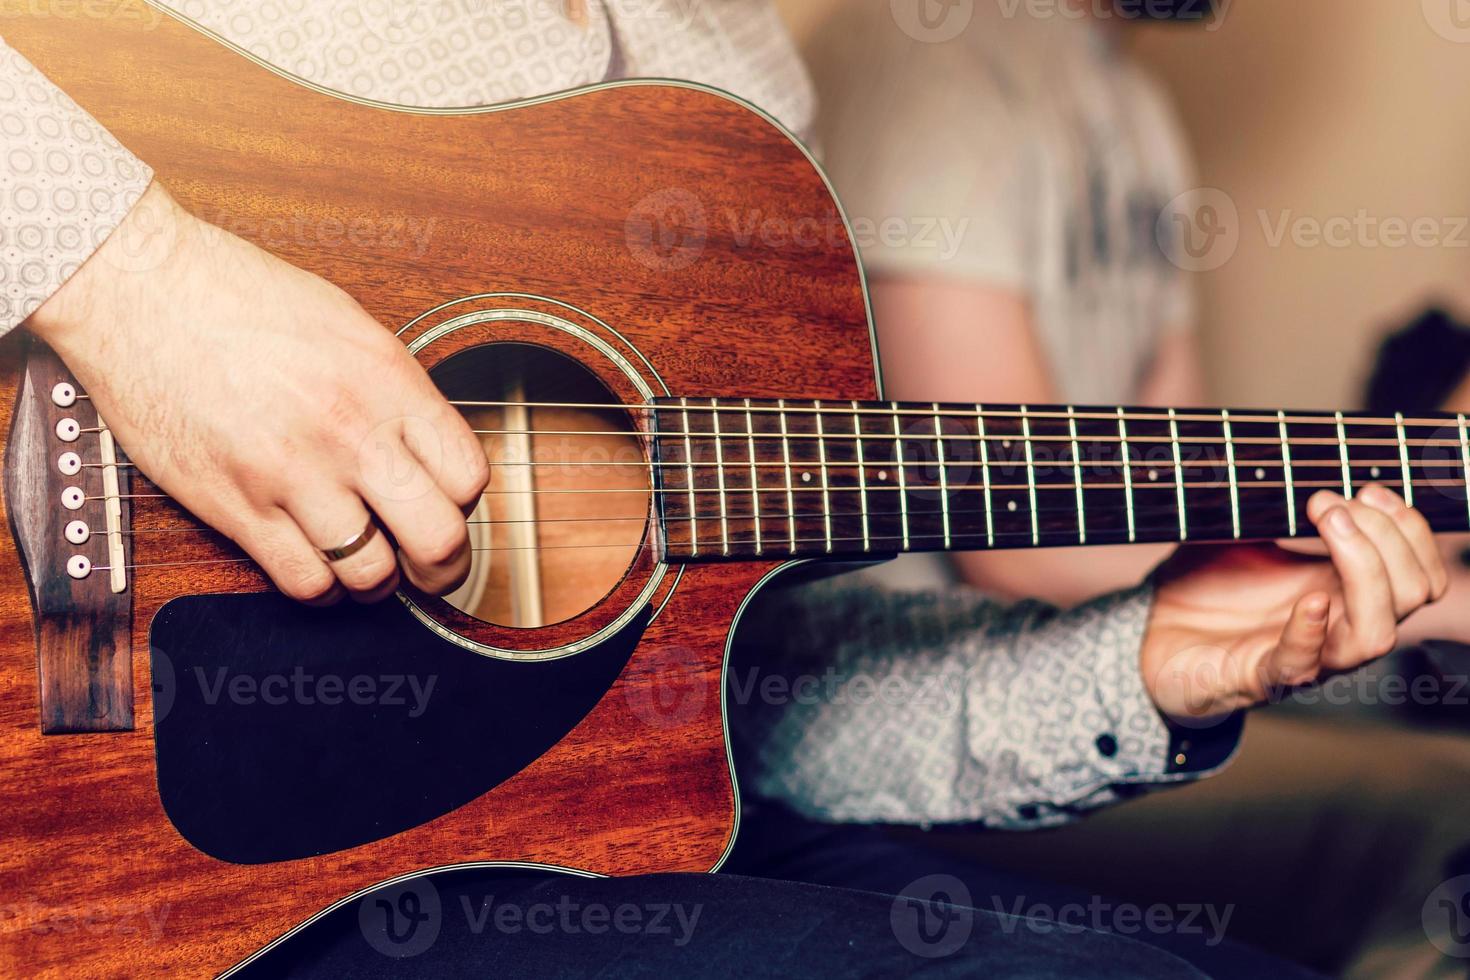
x=1347, y=472
x=1234, y=480
x=826, y=495
x=944, y=473
x=1077, y=475
x=1127, y=475
x=755, y=480
x=790, y=489
x=985, y=473
x=1179, y=477
x=857, y=424
x=1030, y=476
x=655, y=477
x=724, y=504
x=1287, y=470
x=903, y=486
x=1404, y=458
x=689, y=462
x=1465, y=455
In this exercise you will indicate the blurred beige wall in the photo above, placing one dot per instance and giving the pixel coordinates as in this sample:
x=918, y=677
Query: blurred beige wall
x=1347, y=119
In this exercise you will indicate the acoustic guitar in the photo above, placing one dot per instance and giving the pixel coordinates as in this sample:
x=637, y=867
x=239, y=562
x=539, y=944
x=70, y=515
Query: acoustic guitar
x=646, y=299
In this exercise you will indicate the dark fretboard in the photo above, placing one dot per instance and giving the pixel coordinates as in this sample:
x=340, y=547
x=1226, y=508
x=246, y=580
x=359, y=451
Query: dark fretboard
x=763, y=479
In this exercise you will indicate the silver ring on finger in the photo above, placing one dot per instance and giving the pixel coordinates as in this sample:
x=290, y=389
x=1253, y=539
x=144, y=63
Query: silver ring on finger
x=353, y=544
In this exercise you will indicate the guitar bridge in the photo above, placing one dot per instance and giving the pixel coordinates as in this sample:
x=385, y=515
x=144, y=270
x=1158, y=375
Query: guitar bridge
x=66, y=496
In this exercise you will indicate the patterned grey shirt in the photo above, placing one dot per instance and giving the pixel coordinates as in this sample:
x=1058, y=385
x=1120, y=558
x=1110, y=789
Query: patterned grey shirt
x=1023, y=695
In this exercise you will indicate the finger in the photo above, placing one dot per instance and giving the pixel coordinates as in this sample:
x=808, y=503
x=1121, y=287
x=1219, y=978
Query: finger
x=462, y=469
x=283, y=553
x=333, y=518
x=1368, y=626
x=1417, y=533
x=1321, y=502
x=1297, y=659
x=430, y=529
x=449, y=451
x=1407, y=579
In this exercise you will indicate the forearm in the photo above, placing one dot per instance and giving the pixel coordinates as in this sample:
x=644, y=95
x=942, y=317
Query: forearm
x=67, y=186
x=948, y=707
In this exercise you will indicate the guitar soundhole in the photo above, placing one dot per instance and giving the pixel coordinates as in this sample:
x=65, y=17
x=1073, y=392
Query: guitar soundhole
x=567, y=508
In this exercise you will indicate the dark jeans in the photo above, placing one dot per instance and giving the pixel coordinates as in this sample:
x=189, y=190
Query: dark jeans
x=776, y=843
x=801, y=900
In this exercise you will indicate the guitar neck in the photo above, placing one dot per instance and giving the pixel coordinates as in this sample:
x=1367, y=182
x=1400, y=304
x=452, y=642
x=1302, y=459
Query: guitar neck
x=750, y=479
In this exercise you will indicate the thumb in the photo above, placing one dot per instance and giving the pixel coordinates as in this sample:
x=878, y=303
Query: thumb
x=1297, y=658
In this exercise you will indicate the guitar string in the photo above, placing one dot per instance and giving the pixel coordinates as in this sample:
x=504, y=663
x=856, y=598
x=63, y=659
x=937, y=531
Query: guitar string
x=962, y=493
x=1061, y=462
x=989, y=438
x=835, y=408
x=1133, y=416
x=953, y=489
x=1220, y=534
x=765, y=518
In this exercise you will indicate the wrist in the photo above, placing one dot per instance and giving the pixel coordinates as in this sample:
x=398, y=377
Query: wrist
x=109, y=282
x=1189, y=671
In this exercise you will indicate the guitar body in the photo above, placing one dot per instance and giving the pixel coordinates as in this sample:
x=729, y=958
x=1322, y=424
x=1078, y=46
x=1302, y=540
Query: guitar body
x=619, y=227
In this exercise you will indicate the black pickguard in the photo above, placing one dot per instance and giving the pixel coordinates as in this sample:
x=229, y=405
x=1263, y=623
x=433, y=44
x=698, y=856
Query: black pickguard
x=257, y=764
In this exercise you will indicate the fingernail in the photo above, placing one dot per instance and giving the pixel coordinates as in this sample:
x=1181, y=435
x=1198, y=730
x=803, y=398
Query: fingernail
x=1324, y=500
x=1380, y=498
x=1340, y=521
x=1316, y=610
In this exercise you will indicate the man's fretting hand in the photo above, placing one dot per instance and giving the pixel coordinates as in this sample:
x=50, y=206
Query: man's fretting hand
x=1233, y=626
x=270, y=404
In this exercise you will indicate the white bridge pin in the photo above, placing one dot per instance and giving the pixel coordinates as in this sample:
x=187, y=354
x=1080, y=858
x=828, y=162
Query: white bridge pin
x=68, y=429
x=70, y=464
x=79, y=566
x=77, y=532
x=64, y=395
x=72, y=498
